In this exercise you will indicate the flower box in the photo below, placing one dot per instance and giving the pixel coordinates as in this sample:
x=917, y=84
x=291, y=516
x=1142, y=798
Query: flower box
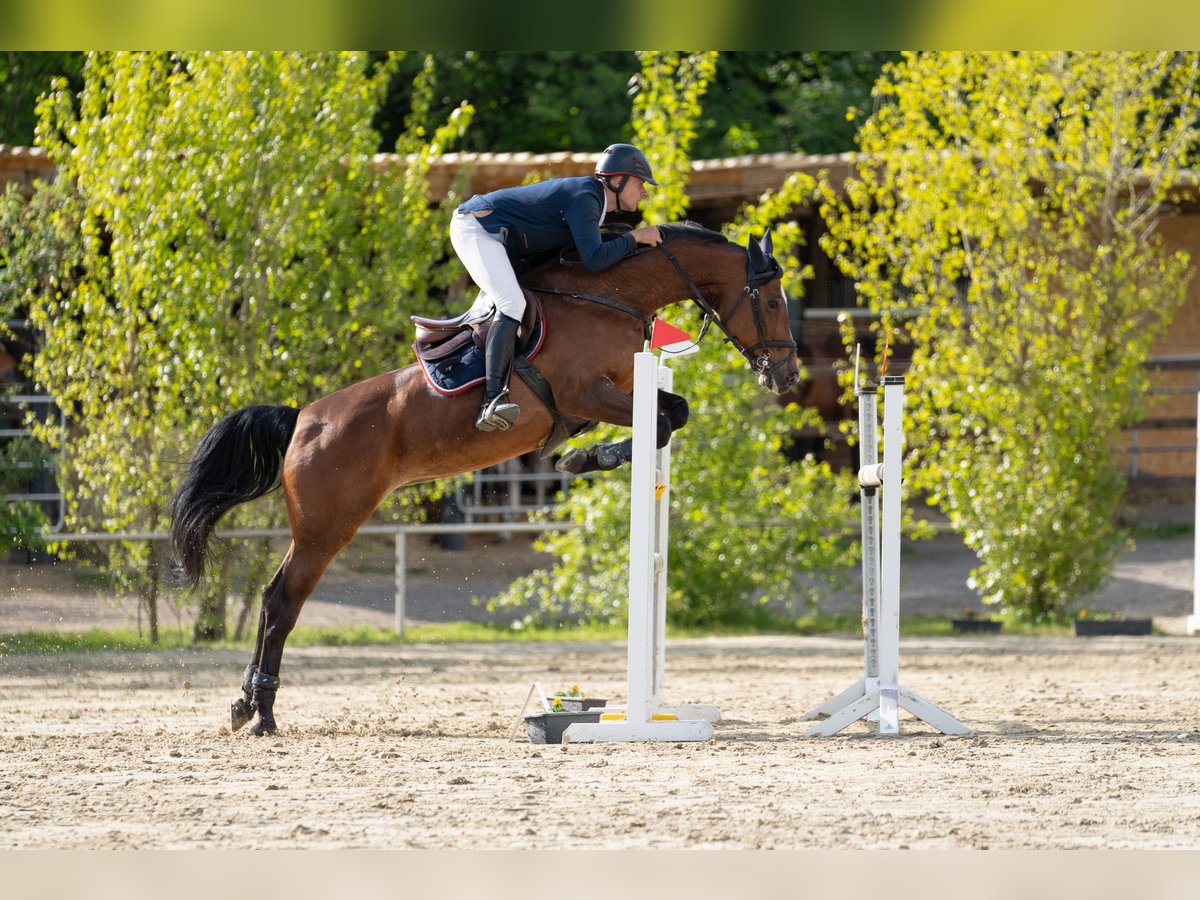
x=548, y=727
x=977, y=626
x=579, y=704
x=1102, y=627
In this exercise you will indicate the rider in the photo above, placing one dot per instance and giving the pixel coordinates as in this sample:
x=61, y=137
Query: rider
x=492, y=231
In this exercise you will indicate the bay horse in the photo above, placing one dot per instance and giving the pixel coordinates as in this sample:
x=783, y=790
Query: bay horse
x=340, y=456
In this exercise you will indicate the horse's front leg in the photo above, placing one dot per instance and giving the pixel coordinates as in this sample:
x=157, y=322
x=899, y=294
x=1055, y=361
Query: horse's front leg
x=672, y=415
x=675, y=408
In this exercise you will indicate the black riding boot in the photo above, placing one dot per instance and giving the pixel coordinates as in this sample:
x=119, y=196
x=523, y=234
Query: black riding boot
x=497, y=356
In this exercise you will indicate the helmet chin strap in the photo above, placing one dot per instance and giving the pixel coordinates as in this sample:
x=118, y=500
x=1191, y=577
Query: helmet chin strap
x=608, y=182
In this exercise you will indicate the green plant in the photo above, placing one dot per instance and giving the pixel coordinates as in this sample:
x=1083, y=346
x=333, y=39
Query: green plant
x=21, y=521
x=219, y=235
x=1016, y=243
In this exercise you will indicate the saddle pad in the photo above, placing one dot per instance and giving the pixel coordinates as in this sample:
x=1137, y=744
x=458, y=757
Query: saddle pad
x=464, y=369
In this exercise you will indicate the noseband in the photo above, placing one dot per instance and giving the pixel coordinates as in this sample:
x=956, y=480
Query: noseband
x=758, y=353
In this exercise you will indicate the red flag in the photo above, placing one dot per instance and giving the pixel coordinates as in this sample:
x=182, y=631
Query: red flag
x=667, y=336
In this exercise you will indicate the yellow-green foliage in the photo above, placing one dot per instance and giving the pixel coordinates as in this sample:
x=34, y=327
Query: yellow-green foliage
x=666, y=105
x=1006, y=210
x=239, y=246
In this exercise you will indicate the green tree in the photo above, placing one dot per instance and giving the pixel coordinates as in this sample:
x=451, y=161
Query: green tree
x=526, y=101
x=40, y=252
x=542, y=101
x=667, y=95
x=24, y=77
x=1006, y=208
x=768, y=101
x=239, y=246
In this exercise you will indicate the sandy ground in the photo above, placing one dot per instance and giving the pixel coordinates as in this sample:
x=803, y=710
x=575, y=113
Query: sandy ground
x=1077, y=743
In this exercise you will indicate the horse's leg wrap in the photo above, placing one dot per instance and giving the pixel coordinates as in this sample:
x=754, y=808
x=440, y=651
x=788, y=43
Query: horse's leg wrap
x=600, y=458
x=242, y=709
x=609, y=456
x=264, y=688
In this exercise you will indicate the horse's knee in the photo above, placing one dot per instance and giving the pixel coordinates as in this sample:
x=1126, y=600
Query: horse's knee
x=664, y=431
x=675, y=408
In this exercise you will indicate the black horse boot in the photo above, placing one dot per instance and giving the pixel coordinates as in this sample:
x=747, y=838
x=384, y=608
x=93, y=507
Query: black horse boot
x=265, y=687
x=497, y=359
x=242, y=710
x=600, y=458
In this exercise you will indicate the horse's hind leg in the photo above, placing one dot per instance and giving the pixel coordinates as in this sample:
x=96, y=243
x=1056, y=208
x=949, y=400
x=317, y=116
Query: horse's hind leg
x=283, y=598
x=281, y=608
x=242, y=709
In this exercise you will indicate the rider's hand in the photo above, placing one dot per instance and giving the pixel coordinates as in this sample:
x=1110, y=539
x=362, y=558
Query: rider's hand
x=648, y=235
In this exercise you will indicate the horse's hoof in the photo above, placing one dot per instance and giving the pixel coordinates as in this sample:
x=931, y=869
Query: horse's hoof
x=573, y=463
x=263, y=727
x=240, y=712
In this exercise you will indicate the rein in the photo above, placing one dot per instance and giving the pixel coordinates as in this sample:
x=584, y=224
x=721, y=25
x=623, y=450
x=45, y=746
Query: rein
x=647, y=321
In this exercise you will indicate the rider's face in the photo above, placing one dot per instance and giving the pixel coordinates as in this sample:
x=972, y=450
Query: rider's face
x=633, y=193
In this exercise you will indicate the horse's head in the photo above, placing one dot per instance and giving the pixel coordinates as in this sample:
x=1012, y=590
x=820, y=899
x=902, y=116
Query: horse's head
x=752, y=310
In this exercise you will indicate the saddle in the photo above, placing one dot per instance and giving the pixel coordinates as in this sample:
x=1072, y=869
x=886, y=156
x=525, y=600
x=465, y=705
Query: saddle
x=437, y=339
x=450, y=352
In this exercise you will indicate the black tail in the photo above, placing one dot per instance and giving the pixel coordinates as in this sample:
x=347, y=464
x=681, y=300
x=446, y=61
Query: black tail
x=238, y=460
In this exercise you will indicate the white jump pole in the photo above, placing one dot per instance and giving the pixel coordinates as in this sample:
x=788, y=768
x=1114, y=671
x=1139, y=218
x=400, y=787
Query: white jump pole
x=878, y=694
x=647, y=716
x=1193, y=621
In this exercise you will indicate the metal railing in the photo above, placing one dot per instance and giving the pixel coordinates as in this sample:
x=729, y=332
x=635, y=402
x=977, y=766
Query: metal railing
x=511, y=491
x=400, y=533
x=24, y=402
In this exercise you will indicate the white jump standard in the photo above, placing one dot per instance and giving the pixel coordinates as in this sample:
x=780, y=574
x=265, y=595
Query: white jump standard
x=879, y=693
x=647, y=716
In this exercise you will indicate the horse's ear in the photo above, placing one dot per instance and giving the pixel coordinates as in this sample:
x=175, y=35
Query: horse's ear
x=767, y=243
x=757, y=260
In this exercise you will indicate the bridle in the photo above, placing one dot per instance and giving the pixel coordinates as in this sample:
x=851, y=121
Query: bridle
x=758, y=353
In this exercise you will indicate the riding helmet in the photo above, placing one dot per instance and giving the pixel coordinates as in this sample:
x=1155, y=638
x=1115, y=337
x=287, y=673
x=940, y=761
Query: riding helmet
x=625, y=159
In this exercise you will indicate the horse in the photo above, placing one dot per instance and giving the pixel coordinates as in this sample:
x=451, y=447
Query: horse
x=338, y=457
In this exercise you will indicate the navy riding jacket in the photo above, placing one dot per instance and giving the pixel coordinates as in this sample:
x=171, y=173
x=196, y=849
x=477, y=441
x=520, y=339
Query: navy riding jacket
x=543, y=217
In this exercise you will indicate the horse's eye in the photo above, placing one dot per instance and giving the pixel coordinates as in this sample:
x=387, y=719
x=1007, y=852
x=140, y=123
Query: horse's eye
x=772, y=303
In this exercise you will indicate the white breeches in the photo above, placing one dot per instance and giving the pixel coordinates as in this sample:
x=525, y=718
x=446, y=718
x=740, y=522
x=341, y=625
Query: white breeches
x=488, y=265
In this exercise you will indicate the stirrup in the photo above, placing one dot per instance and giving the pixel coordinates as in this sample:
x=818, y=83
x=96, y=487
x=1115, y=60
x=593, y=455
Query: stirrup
x=496, y=415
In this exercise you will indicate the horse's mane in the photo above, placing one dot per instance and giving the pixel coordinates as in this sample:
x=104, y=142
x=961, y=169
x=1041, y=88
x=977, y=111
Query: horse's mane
x=692, y=230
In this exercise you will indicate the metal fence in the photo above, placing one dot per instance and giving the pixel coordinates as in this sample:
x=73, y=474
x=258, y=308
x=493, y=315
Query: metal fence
x=400, y=535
